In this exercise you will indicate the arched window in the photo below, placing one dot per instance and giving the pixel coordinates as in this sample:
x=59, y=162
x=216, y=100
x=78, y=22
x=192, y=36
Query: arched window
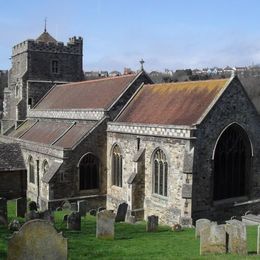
x=231, y=163
x=31, y=170
x=117, y=166
x=45, y=167
x=160, y=173
x=88, y=172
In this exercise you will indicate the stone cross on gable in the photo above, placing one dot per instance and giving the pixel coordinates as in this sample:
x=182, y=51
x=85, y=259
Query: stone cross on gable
x=142, y=64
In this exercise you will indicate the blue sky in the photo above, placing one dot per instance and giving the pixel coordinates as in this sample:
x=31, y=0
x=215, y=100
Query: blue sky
x=170, y=34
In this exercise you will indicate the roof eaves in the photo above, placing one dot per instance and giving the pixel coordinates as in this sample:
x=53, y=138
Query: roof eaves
x=214, y=101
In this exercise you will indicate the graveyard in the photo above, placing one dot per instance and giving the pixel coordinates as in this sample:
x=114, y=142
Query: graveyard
x=129, y=241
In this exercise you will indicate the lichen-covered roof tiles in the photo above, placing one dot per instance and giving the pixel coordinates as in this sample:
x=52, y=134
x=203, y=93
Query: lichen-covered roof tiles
x=90, y=94
x=173, y=103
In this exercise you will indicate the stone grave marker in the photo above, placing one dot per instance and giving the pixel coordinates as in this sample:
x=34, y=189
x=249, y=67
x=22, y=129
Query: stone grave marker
x=74, y=221
x=21, y=206
x=152, y=223
x=105, y=225
x=74, y=206
x=130, y=219
x=37, y=239
x=66, y=205
x=200, y=224
x=14, y=225
x=213, y=239
x=236, y=237
x=3, y=211
x=82, y=207
x=121, y=212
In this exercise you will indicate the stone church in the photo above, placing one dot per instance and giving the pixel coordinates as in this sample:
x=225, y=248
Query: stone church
x=179, y=150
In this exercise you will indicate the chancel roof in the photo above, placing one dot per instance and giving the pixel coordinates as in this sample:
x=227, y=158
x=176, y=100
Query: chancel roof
x=46, y=37
x=91, y=94
x=181, y=103
x=56, y=133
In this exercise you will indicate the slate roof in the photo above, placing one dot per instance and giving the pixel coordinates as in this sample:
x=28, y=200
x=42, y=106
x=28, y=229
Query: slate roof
x=46, y=38
x=58, y=133
x=172, y=104
x=11, y=158
x=91, y=94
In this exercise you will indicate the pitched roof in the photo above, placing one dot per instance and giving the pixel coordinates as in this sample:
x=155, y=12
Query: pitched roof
x=61, y=134
x=173, y=103
x=46, y=38
x=11, y=158
x=89, y=94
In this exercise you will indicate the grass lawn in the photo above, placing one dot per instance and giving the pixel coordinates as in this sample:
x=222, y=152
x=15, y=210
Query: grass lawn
x=131, y=242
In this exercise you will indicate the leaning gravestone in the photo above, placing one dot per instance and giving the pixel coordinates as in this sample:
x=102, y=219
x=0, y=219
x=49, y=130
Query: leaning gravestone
x=105, y=225
x=237, y=240
x=74, y=221
x=66, y=205
x=200, y=224
x=121, y=212
x=213, y=239
x=3, y=211
x=82, y=207
x=37, y=239
x=152, y=223
x=21, y=205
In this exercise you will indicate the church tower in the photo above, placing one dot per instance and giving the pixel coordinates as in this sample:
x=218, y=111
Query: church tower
x=37, y=65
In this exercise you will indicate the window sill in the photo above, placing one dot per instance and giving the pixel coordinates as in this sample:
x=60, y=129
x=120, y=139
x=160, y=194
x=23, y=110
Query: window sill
x=158, y=196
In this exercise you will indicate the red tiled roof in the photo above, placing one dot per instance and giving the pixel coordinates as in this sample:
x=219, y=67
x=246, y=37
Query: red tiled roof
x=99, y=93
x=62, y=134
x=172, y=104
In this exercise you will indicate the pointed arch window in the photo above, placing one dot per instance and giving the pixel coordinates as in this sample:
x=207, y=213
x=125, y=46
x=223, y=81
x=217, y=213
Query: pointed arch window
x=117, y=166
x=160, y=173
x=31, y=170
x=89, y=172
x=45, y=167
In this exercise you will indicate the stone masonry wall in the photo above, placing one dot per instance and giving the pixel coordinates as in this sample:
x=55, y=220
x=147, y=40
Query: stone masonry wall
x=170, y=208
x=233, y=106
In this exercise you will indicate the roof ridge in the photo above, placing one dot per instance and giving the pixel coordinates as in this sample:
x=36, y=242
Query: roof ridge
x=95, y=80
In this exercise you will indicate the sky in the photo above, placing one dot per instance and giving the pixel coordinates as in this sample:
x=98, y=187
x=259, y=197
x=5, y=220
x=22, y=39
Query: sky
x=167, y=34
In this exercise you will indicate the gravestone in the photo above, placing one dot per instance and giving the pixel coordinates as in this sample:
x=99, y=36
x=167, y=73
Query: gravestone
x=32, y=215
x=32, y=206
x=130, y=219
x=213, y=239
x=258, y=240
x=47, y=215
x=14, y=225
x=236, y=237
x=121, y=212
x=200, y=224
x=66, y=205
x=3, y=211
x=21, y=205
x=152, y=223
x=74, y=221
x=74, y=206
x=93, y=212
x=105, y=225
x=82, y=207
x=37, y=239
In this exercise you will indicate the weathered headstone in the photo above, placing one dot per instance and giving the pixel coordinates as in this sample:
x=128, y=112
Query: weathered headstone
x=66, y=205
x=82, y=207
x=21, y=206
x=213, y=239
x=14, y=225
x=74, y=221
x=105, y=225
x=152, y=223
x=121, y=212
x=32, y=215
x=200, y=224
x=3, y=211
x=32, y=206
x=74, y=206
x=237, y=239
x=37, y=239
x=47, y=215
x=130, y=219
x=93, y=212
